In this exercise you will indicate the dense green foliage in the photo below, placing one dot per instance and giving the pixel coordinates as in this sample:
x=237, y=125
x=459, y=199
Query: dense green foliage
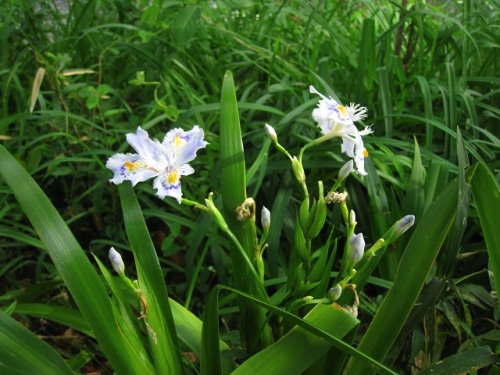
x=428, y=74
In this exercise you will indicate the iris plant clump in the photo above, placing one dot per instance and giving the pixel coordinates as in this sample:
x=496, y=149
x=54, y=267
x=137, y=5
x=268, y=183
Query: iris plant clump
x=168, y=160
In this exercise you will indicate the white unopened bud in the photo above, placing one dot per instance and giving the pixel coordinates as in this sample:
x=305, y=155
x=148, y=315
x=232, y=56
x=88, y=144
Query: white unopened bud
x=357, y=248
x=403, y=225
x=352, y=218
x=265, y=218
x=116, y=261
x=271, y=133
x=335, y=292
x=345, y=170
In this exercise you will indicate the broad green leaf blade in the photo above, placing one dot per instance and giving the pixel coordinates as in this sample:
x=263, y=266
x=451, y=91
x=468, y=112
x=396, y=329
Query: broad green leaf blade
x=452, y=246
x=22, y=237
x=435, y=180
x=210, y=357
x=162, y=336
x=299, y=349
x=189, y=328
x=377, y=217
x=415, y=264
x=184, y=25
x=386, y=99
x=452, y=108
x=486, y=195
x=366, y=61
x=463, y=362
x=127, y=319
x=79, y=360
x=22, y=352
x=427, y=301
x=427, y=102
x=259, y=165
x=62, y=315
x=187, y=325
x=210, y=361
x=73, y=265
x=253, y=322
x=233, y=172
x=414, y=199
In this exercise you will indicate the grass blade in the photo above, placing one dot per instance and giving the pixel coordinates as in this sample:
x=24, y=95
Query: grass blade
x=452, y=246
x=24, y=353
x=210, y=338
x=463, y=362
x=486, y=195
x=233, y=187
x=73, y=265
x=366, y=61
x=162, y=337
x=62, y=315
x=299, y=349
x=421, y=250
x=386, y=99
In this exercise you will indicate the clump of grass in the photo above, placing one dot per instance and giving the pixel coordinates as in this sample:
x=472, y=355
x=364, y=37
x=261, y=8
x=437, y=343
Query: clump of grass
x=427, y=74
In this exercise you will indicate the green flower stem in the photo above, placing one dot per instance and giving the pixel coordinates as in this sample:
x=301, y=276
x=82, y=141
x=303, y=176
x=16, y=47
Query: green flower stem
x=283, y=150
x=159, y=103
x=313, y=143
x=225, y=228
x=301, y=153
x=350, y=232
x=188, y=202
x=221, y=222
x=348, y=278
x=294, y=161
x=243, y=254
x=127, y=281
x=335, y=186
x=376, y=246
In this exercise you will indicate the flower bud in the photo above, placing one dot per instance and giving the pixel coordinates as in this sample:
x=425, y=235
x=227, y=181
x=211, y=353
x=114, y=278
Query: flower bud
x=215, y=213
x=403, y=225
x=298, y=170
x=345, y=170
x=265, y=218
x=357, y=248
x=344, y=211
x=271, y=133
x=317, y=215
x=352, y=218
x=116, y=261
x=335, y=292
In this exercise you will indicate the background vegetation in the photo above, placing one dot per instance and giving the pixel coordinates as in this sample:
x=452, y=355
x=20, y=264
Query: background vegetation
x=422, y=68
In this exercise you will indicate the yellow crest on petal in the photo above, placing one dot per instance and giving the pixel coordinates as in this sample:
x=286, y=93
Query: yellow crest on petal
x=130, y=165
x=177, y=141
x=172, y=177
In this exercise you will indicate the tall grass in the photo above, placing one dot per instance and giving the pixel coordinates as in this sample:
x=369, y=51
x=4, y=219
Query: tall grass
x=427, y=72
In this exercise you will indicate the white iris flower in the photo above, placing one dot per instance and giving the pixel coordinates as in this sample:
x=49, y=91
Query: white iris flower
x=167, y=161
x=336, y=120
